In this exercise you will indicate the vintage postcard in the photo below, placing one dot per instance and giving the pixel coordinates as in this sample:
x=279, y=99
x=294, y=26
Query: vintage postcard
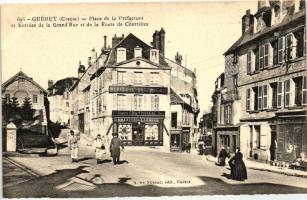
x=148, y=99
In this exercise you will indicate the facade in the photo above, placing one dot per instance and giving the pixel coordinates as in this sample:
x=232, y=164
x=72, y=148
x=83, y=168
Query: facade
x=21, y=86
x=266, y=74
x=59, y=103
x=184, y=105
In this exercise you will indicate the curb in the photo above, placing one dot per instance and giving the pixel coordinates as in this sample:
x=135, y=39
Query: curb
x=28, y=170
x=270, y=170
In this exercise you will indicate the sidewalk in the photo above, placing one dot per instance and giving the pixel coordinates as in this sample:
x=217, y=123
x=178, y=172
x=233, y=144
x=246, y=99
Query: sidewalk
x=265, y=167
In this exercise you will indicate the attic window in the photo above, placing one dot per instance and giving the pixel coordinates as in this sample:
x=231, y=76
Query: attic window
x=121, y=55
x=137, y=52
x=154, y=55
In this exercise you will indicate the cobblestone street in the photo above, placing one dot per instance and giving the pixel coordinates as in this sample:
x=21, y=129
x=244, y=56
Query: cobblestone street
x=143, y=171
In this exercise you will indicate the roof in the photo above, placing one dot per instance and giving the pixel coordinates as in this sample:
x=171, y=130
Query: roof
x=175, y=98
x=247, y=37
x=61, y=85
x=187, y=70
x=17, y=76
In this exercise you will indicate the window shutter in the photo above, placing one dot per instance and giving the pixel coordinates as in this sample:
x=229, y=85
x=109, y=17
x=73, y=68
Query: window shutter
x=271, y=55
x=281, y=44
x=265, y=97
x=304, y=91
x=257, y=60
x=293, y=47
x=247, y=99
x=279, y=94
x=260, y=95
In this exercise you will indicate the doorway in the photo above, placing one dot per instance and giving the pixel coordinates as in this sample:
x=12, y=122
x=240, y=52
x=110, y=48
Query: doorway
x=138, y=134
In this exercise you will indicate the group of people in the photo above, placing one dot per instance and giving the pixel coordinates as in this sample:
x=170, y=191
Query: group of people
x=237, y=166
x=99, y=148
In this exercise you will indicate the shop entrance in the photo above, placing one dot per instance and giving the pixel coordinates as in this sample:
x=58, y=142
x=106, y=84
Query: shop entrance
x=138, y=134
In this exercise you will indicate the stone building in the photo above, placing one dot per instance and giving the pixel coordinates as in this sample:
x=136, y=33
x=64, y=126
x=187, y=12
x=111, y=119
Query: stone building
x=59, y=103
x=266, y=70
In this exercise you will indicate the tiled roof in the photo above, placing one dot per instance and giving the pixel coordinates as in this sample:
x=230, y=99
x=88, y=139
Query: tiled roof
x=61, y=85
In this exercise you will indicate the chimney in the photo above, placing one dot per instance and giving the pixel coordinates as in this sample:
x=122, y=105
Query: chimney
x=155, y=40
x=248, y=22
x=105, y=42
x=89, y=61
x=178, y=58
x=81, y=70
x=116, y=40
x=162, y=41
x=50, y=83
x=94, y=55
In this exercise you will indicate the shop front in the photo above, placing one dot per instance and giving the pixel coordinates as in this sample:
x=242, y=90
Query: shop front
x=291, y=135
x=227, y=137
x=139, y=128
x=180, y=139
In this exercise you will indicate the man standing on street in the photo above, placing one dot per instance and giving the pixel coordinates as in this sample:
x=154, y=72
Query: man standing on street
x=73, y=146
x=115, y=148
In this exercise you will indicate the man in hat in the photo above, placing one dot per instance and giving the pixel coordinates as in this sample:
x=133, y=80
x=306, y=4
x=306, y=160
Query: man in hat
x=115, y=145
x=73, y=146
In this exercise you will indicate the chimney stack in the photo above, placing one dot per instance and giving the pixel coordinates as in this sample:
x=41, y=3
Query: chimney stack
x=50, y=83
x=248, y=22
x=162, y=41
x=116, y=40
x=178, y=58
x=105, y=42
x=81, y=70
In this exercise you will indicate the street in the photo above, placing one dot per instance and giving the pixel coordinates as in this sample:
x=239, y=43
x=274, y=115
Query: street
x=143, y=172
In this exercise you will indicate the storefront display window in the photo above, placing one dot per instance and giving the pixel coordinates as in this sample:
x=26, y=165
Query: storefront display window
x=175, y=141
x=125, y=131
x=151, y=132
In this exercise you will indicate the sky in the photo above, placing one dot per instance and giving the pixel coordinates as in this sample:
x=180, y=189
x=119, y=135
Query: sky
x=200, y=31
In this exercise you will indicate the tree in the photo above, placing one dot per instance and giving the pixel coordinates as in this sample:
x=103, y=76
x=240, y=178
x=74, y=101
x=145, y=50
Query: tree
x=6, y=109
x=27, y=111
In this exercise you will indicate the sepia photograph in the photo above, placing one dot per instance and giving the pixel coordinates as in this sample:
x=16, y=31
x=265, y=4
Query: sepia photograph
x=153, y=99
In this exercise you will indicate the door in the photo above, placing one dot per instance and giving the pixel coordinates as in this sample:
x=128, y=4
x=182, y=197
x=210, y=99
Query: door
x=138, y=134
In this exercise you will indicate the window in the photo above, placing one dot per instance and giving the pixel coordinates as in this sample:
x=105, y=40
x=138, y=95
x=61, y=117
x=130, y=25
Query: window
x=281, y=49
x=34, y=98
x=155, y=102
x=228, y=114
x=138, y=78
x=265, y=96
x=257, y=130
x=288, y=47
x=151, y=132
x=300, y=43
x=138, y=102
x=121, y=102
x=266, y=55
x=261, y=50
x=154, y=77
x=235, y=80
x=287, y=93
x=248, y=98
x=255, y=90
x=186, y=119
x=121, y=77
x=257, y=59
x=275, y=52
x=274, y=94
x=154, y=56
x=174, y=120
x=304, y=91
x=279, y=94
x=298, y=83
x=235, y=58
x=249, y=62
x=125, y=131
x=67, y=104
x=137, y=52
x=121, y=54
x=260, y=95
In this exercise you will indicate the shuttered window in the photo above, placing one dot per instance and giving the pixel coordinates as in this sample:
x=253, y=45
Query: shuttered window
x=248, y=97
x=249, y=62
x=287, y=93
x=260, y=95
x=279, y=94
x=281, y=49
x=265, y=96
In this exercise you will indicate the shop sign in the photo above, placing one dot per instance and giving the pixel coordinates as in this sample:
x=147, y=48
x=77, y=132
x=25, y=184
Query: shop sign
x=137, y=113
x=136, y=120
x=138, y=90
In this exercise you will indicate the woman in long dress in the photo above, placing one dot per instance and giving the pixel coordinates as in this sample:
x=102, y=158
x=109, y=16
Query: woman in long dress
x=237, y=166
x=99, y=148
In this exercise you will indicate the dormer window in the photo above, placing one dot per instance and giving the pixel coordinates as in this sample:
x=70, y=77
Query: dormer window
x=154, y=55
x=121, y=54
x=137, y=52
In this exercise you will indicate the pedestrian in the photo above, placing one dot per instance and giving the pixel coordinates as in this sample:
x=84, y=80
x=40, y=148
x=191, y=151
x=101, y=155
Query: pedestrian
x=222, y=157
x=115, y=145
x=188, y=148
x=73, y=146
x=99, y=148
x=237, y=166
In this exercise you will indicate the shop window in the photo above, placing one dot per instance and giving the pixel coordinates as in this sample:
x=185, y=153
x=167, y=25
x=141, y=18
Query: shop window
x=174, y=120
x=287, y=93
x=154, y=78
x=175, y=141
x=279, y=94
x=121, y=77
x=154, y=102
x=34, y=99
x=151, y=132
x=304, y=91
x=138, y=99
x=125, y=131
x=298, y=83
x=225, y=140
x=248, y=99
x=138, y=78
